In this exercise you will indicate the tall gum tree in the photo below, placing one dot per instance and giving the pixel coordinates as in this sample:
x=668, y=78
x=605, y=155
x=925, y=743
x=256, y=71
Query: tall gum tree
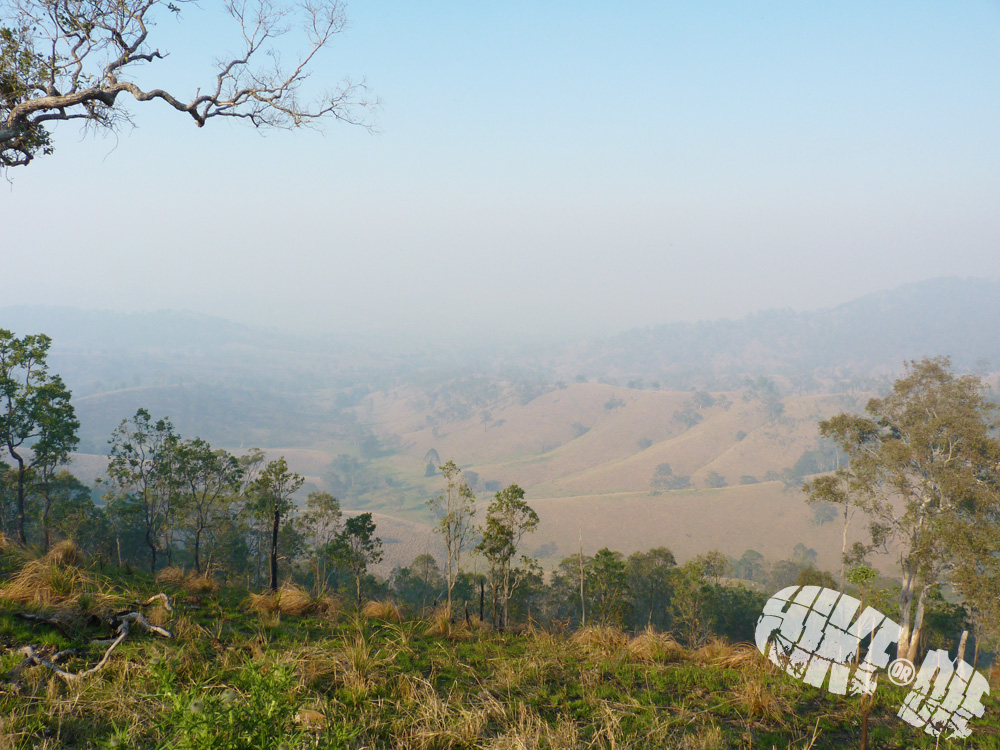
x=508, y=519
x=273, y=490
x=924, y=465
x=37, y=422
x=140, y=477
x=457, y=507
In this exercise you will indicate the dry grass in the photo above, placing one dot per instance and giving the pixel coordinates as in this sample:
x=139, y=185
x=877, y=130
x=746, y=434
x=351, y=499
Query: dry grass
x=265, y=603
x=328, y=606
x=193, y=583
x=55, y=581
x=430, y=722
x=745, y=657
x=170, y=577
x=706, y=738
x=289, y=600
x=604, y=638
x=529, y=731
x=760, y=702
x=384, y=610
x=650, y=646
x=317, y=668
x=197, y=584
x=442, y=627
x=294, y=601
x=717, y=650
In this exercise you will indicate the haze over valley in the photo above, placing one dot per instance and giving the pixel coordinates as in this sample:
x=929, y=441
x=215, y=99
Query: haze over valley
x=649, y=437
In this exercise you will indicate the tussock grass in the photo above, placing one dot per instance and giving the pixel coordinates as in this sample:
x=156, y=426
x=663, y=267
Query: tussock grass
x=603, y=638
x=289, y=600
x=760, y=702
x=191, y=583
x=430, y=722
x=745, y=657
x=441, y=626
x=171, y=576
x=382, y=610
x=262, y=603
x=294, y=601
x=56, y=581
x=716, y=650
x=650, y=646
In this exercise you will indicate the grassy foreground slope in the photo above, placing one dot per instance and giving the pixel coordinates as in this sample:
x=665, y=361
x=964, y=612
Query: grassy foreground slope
x=297, y=672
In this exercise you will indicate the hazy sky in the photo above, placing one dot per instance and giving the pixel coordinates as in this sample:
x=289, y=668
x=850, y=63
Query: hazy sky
x=559, y=167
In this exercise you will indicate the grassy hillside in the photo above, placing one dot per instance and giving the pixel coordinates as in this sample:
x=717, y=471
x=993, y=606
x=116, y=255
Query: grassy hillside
x=586, y=455
x=296, y=672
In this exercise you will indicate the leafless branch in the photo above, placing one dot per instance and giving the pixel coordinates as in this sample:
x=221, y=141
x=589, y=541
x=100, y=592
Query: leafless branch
x=81, y=56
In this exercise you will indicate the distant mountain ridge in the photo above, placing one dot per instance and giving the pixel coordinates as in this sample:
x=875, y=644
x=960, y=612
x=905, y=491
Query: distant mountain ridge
x=864, y=338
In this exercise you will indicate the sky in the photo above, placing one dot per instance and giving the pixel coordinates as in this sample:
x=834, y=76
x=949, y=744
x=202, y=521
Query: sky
x=547, y=168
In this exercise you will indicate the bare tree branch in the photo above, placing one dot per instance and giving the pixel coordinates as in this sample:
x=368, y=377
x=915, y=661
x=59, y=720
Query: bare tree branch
x=72, y=59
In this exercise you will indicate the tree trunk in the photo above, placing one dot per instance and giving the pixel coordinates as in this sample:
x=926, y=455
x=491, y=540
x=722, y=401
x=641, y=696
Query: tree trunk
x=21, y=470
x=152, y=551
x=357, y=579
x=46, y=509
x=843, y=552
x=197, y=551
x=961, y=645
x=482, y=600
x=274, y=551
x=905, y=605
x=918, y=624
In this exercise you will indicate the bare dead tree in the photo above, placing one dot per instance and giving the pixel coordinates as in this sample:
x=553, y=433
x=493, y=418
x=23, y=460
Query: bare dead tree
x=72, y=59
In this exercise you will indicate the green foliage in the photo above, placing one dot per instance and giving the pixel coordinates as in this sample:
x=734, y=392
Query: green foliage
x=714, y=480
x=419, y=584
x=456, y=508
x=508, y=519
x=650, y=583
x=607, y=584
x=271, y=499
x=22, y=72
x=688, y=416
x=257, y=711
x=35, y=413
x=357, y=547
x=140, y=483
x=925, y=469
x=665, y=479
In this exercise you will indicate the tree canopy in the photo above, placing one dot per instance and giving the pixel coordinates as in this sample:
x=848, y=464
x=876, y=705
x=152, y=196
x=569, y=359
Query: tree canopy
x=73, y=60
x=924, y=466
x=38, y=424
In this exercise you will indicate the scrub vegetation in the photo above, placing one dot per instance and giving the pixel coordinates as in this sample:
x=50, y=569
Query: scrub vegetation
x=298, y=671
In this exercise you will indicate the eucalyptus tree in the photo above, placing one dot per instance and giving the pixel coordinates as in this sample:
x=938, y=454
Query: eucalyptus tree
x=357, y=547
x=272, y=492
x=456, y=507
x=321, y=524
x=75, y=60
x=38, y=424
x=206, y=482
x=140, y=479
x=924, y=466
x=508, y=519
